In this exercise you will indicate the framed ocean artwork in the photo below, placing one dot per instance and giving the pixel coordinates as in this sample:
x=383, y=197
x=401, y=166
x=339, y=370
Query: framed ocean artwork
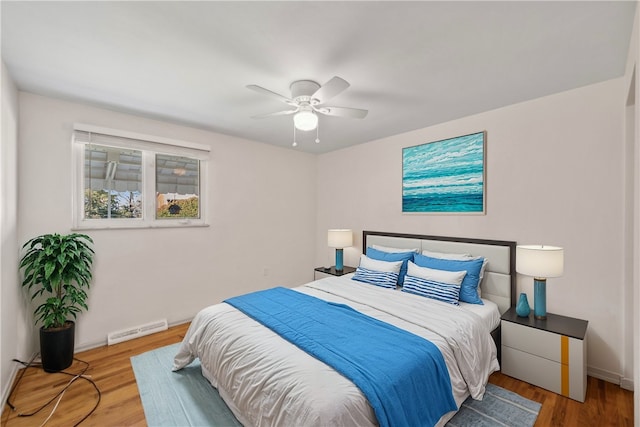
x=445, y=176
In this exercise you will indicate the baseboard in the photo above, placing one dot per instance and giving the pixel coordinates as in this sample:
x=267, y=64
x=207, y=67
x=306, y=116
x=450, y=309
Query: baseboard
x=12, y=377
x=8, y=385
x=626, y=383
x=95, y=344
x=89, y=346
x=180, y=322
x=611, y=377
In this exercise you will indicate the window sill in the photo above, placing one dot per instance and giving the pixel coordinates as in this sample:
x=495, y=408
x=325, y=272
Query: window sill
x=136, y=226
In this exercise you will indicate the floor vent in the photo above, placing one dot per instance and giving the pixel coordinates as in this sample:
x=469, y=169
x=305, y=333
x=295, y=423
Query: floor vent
x=136, y=332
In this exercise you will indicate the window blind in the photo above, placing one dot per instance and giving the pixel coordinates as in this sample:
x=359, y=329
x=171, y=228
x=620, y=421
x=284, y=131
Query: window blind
x=84, y=134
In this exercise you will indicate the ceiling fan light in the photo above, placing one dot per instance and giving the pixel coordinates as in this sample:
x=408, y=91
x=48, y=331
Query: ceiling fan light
x=305, y=120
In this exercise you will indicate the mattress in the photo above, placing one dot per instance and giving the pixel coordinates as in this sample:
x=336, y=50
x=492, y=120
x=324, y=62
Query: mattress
x=489, y=313
x=267, y=381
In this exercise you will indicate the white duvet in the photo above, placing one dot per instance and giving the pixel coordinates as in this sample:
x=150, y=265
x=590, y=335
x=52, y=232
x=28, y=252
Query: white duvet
x=267, y=381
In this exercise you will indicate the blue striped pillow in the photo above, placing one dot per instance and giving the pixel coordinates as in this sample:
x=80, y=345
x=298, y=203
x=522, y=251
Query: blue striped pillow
x=445, y=292
x=469, y=287
x=393, y=256
x=384, y=279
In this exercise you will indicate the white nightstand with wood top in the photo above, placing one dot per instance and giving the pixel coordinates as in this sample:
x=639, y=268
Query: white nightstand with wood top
x=550, y=353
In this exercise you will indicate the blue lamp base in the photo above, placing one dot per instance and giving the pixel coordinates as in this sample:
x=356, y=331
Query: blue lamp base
x=540, y=298
x=339, y=260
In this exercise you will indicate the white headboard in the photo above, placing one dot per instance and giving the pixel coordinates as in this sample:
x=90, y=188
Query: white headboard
x=499, y=283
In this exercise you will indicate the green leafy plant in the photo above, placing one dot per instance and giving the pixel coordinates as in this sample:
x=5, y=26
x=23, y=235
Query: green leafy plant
x=58, y=267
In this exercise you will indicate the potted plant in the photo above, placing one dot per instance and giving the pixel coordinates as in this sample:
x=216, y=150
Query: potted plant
x=58, y=268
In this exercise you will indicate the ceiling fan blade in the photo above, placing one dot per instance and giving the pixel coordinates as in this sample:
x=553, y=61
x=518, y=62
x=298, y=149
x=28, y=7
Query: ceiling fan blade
x=353, y=113
x=277, y=113
x=272, y=94
x=330, y=89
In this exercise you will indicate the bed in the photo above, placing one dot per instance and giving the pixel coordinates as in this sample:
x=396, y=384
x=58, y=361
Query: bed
x=268, y=381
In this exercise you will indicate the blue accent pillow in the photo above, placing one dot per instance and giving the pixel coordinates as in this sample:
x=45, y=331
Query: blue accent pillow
x=469, y=287
x=393, y=256
x=383, y=279
x=445, y=292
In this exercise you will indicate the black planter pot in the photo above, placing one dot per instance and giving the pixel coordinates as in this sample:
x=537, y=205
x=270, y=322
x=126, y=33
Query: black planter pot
x=56, y=347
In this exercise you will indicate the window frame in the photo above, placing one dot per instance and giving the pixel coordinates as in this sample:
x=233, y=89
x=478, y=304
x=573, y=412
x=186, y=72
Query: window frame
x=149, y=146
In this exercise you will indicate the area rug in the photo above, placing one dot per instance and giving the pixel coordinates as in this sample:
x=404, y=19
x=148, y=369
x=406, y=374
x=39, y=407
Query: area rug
x=185, y=398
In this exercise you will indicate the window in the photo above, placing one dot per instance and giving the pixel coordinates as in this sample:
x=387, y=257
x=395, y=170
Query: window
x=127, y=180
x=112, y=182
x=177, y=187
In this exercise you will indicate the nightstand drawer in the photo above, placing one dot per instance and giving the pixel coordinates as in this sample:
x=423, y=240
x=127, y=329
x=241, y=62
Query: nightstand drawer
x=532, y=369
x=531, y=340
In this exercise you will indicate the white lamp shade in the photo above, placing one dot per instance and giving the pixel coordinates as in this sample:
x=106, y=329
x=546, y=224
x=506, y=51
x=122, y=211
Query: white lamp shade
x=305, y=120
x=540, y=260
x=339, y=238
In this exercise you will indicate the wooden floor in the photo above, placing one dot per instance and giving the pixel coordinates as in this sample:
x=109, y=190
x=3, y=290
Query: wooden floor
x=110, y=368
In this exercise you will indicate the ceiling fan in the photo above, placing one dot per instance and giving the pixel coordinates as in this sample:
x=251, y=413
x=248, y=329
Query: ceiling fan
x=308, y=99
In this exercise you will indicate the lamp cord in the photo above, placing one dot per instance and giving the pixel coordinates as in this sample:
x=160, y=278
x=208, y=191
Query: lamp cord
x=58, y=395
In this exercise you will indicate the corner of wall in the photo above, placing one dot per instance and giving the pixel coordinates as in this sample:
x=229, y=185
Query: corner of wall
x=9, y=289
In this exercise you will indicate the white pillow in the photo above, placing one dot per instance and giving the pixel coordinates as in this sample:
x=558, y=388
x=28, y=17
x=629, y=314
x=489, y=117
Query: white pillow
x=444, y=255
x=377, y=265
x=394, y=250
x=450, y=277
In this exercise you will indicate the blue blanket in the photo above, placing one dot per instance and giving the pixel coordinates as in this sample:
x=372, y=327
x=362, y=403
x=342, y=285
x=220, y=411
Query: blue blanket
x=403, y=376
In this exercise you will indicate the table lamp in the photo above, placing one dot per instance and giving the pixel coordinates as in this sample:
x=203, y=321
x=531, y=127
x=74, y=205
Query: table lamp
x=540, y=262
x=339, y=239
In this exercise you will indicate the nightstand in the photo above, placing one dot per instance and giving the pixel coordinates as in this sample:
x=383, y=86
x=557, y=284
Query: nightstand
x=322, y=272
x=550, y=353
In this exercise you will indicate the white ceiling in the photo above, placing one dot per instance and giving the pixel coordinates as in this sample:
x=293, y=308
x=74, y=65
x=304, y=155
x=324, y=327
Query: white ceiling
x=411, y=64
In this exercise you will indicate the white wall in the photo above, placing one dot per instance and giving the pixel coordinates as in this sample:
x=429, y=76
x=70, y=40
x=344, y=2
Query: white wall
x=261, y=205
x=554, y=176
x=11, y=302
